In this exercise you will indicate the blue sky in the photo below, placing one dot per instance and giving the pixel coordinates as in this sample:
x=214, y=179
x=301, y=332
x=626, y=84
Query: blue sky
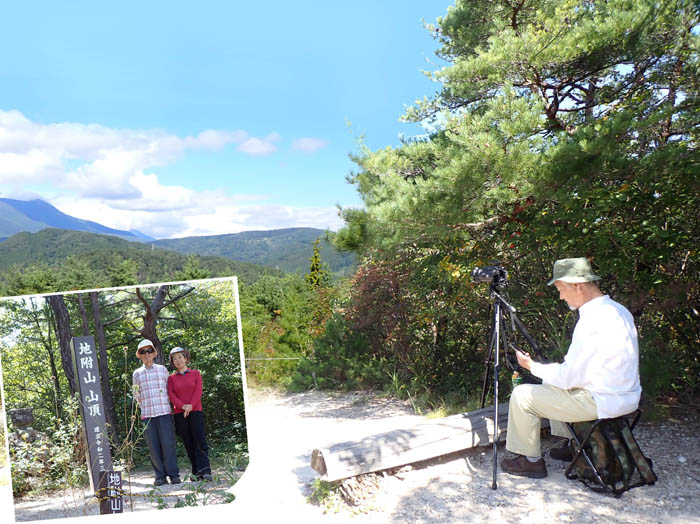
x=181, y=119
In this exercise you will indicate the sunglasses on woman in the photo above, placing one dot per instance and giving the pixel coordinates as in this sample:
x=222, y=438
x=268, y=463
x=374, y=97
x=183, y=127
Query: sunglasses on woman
x=146, y=351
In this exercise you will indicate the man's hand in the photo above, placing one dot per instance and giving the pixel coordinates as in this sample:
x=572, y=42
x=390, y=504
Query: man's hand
x=523, y=359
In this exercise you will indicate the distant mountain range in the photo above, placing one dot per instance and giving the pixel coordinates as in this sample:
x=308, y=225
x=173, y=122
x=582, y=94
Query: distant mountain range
x=287, y=250
x=18, y=216
x=52, y=247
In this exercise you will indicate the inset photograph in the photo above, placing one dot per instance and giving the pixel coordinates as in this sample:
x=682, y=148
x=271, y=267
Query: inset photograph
x=5, y=487
x=124, y=399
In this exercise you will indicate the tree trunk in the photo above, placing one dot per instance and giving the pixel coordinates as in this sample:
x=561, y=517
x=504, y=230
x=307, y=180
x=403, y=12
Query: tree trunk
x=83, y=315
x=150, y=319
x=153, y=309
x=48, y=346
x=103, y=363
x=64, y=336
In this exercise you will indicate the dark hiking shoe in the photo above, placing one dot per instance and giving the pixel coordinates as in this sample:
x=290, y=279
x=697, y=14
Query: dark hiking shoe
x=175, y=480
x=563, y=452
x=521, y=466
x=207, y=477
x=160, y=482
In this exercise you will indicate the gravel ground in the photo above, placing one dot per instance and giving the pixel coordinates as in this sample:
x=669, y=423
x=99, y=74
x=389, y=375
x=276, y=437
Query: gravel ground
x=284, y=429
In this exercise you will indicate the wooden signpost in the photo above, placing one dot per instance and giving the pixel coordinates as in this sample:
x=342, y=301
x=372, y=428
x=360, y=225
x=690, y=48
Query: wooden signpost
x=105, y=482
x=110, y=493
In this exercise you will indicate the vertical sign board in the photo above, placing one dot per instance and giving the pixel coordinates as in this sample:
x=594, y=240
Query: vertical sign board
x=92, y=409
x=111, y=493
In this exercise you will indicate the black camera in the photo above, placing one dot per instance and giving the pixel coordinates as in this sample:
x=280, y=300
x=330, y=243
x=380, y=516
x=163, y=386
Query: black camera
x=495, y=274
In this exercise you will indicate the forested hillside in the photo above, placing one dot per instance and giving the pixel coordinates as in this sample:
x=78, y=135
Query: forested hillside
x=60, y=260
x=284, y=249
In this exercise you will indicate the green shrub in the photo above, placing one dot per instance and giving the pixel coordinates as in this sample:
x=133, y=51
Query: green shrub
x=340, y=361
x=54, y=460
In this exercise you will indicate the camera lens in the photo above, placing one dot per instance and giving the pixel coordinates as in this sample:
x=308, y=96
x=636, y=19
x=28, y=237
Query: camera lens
x=493, y=274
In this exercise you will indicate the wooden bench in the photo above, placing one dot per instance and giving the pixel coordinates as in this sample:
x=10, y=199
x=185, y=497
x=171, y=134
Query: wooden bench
x=428, y=439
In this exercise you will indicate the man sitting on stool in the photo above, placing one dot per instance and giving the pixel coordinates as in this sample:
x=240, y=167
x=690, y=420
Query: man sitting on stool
x=599, y=377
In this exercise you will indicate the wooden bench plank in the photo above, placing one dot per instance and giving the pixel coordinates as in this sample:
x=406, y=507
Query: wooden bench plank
x=427, y=439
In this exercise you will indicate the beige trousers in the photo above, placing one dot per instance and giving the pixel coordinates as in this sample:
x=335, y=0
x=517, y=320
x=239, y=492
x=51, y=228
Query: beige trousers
x=529, y=403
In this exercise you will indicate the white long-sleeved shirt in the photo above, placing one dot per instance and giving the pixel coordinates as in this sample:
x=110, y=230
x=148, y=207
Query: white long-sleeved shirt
x=603, y=358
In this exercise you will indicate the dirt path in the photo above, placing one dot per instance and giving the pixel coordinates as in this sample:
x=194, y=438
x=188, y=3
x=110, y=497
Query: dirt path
x=282, y=432
x=285, y=428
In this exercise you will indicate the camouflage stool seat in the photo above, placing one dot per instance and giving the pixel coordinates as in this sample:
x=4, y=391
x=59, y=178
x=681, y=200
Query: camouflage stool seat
x=607, y=457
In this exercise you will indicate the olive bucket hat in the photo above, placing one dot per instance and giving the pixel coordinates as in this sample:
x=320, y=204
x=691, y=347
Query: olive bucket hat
x=573, y=270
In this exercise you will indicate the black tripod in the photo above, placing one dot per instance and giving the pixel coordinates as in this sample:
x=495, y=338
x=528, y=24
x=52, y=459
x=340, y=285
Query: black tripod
x=502, y=337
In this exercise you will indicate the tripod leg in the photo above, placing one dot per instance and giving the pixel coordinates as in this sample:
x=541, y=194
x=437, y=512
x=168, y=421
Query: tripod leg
x=498, y=322
x=487, y=367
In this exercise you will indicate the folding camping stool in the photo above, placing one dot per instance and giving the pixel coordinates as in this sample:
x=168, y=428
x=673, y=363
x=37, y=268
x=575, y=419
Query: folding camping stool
x=607, y=457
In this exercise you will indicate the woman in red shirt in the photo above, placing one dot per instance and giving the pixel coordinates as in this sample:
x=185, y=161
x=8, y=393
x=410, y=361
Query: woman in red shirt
x=185, y=392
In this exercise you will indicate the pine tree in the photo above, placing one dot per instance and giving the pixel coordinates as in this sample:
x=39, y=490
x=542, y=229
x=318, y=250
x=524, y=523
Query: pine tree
x=318, y=275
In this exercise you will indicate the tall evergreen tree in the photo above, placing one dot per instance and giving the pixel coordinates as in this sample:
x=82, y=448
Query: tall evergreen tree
x=318, y=275
x=563, y=128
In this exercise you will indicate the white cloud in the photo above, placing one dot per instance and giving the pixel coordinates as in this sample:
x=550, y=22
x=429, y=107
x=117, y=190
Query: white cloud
x=212, y=139
x=257, y=147
x=107, y=175
x=68, y=140
x=234, y=219
x=16, y=168
x=154, y=195
x=309, y=145
x=102, y=160
x=199, y=213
